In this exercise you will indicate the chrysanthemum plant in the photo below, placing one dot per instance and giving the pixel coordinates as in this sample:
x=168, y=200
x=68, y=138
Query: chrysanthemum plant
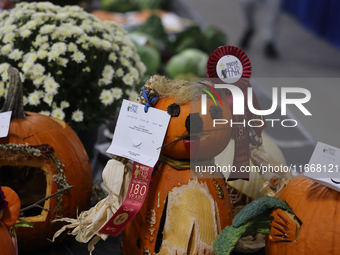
x=73, y=66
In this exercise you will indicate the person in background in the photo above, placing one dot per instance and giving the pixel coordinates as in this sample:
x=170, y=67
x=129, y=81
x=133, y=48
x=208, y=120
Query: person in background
x=269, y=27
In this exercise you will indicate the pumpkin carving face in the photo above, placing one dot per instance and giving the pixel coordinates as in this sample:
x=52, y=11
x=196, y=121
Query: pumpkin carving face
x=40, y=156
x=203, y=139
x=181, y=214
x=317, y=206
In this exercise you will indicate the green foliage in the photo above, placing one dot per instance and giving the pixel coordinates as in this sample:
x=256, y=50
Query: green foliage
x=252, y=219
x=188, y=61
x=154, y=27
x=213, y=38
x=257, y=207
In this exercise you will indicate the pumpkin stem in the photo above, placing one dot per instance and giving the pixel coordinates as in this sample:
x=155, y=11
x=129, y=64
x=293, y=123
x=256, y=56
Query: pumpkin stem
x=14, y=99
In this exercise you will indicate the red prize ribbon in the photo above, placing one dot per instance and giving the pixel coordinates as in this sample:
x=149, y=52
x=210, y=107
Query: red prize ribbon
x=138, y=189
x=223, y=64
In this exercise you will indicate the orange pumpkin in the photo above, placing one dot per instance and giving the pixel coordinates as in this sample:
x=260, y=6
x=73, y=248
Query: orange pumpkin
x=39, y=156
x=11, y=212
x=7, y=246
x=317, y=206
x=8, y=217
x=182, y=215
x=208, y=148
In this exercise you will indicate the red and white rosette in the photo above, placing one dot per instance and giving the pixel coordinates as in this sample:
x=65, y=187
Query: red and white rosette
x=230, y=60
x=231, y=65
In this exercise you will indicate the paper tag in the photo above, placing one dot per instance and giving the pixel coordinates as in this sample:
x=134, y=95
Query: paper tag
x=229, y=69
x=134, y=200
x=139, y=135
x=5, y=120
x=324, y=165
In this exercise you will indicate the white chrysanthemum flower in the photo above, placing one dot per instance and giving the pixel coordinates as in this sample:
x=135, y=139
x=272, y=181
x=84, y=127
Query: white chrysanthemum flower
x=106, y=45
x=52, y=55
x=44, y=46
x=134, y=72
x=26, y=67
x=40, y=93
x=107, y=79
x=98, y=26
x=4, y=67
x=118, y=38
x=55, y=35
x=48, y=99
x=38, y=70
x=75, y=30
x=106, y=97
x=15, y=55
x=78, y=116
x=24, y=100
x=65, y=32
x=141, y=67
x=58, y=113
x=83, y=39
x=95, y=41
x=2, y=91
x=64, y=104
x=42, y=54
x=51, y=86
x=25, y=33
x=72, y=47
x=61, y=16
x=34, y=99
x=39, y=80
x=127, y=51
x=47, y=29
x=133, y=96
x=62, y=61
x=46, y=113
x=78, y=57
x=4, y=15
x=85, y=46
x=2, y=84
x=59, y=47
x=124, y=61
x=4, y=76
x=117, y=93
x=115, y=47
x=9, y=29
x=31, y=24
x=128, y=79
x=6, y=49
x=108, y=70
x=31, y=56
x=113, y=57
x=86, y=27
x=119, y=72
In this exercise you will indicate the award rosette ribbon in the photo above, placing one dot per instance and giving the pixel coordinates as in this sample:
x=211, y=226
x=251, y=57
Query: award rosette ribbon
x=231, y=65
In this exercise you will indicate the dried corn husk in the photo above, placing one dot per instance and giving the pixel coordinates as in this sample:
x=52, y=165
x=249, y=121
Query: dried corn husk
x=116, y=178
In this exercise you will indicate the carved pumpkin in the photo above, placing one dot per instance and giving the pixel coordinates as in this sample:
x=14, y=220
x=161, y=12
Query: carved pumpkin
x=317, y=206
x=8, y=216
x=182, y=215
x=40, y=156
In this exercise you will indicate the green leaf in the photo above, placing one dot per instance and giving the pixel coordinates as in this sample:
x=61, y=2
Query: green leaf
x=227, y=239
x=257, y=207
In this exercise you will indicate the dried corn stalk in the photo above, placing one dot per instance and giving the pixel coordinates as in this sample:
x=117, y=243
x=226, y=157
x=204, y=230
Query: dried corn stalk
x=116, y=177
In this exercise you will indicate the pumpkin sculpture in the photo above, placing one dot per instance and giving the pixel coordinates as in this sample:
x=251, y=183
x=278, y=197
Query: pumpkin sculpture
x=317, y=206
x=9, y=213
x=40, y=156
x=181, y=214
